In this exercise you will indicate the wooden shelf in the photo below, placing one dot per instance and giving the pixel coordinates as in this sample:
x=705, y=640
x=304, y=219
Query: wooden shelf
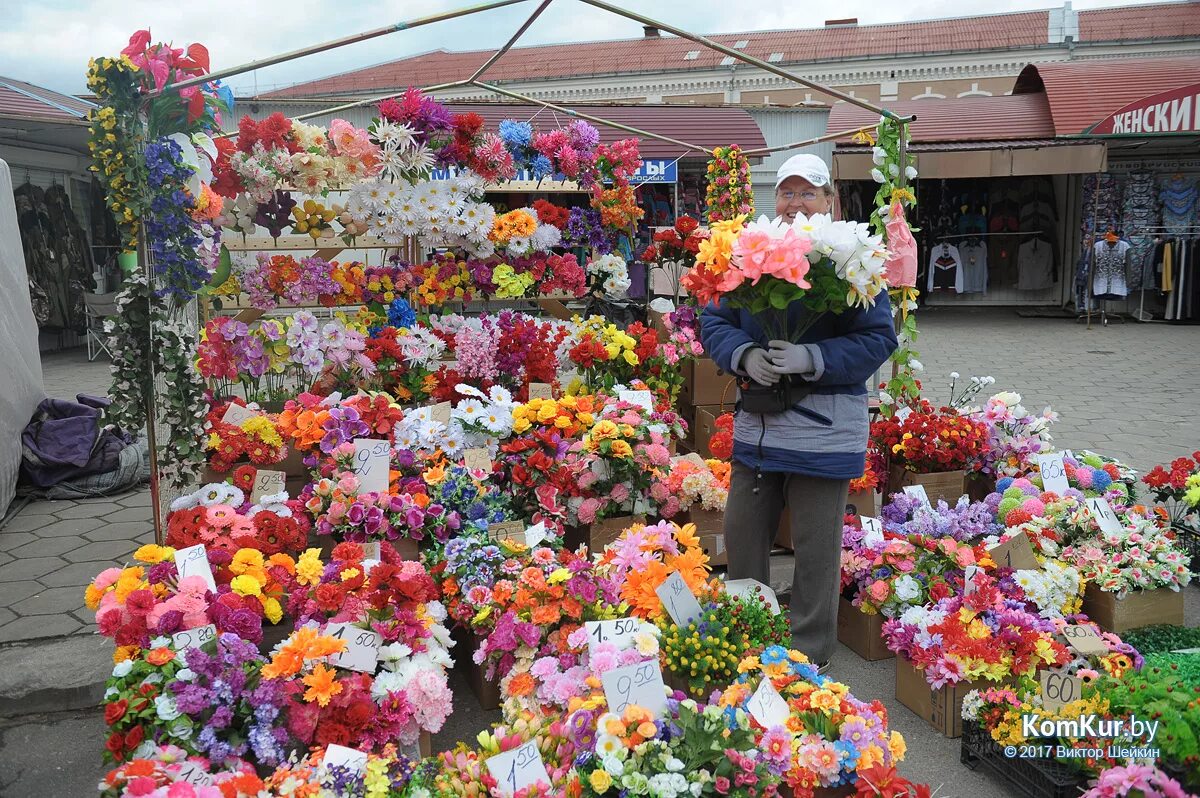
x=297, y=243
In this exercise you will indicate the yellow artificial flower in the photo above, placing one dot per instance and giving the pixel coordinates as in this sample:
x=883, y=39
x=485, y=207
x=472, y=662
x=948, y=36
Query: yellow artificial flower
x=153, y=554
x=600, y=781
x=246, y=586
x=272, y=609
x=309, y=567
x=621, y=449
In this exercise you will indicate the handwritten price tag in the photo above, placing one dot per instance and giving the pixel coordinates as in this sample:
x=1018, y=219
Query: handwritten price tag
x=372, y=463
x=619, y=632
x=918, y=492
x=768, y=707
x=1054, y=472
x=477, y=460
x=193, y=561
x=518, y=768
x=509, y=530
x=1085, y=640
x=696, y=459
x=752, y=587
x=1059, y=689
x=640, y=684
x=903, y=413
x=440, y=412
x=236, y=414
x=678, y=600
x=643, y=398
x=194, y=774
x=541, y=390
x=266, y=483
x=535, y=534
x=371, y=551
x=1016, y=552
x=362, y=647
x=339, y=756
x=194, y=638
x=1104, y=515
x=872, y=530
x=969, y=579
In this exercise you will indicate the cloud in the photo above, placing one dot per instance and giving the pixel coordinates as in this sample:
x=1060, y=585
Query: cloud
x=49, y=44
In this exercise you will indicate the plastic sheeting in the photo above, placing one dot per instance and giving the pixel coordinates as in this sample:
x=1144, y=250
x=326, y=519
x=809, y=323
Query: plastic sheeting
x=20, y=363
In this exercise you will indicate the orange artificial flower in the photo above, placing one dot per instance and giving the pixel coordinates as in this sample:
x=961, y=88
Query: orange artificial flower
x=321, y=685
x=521, y=685
x=545, y=614
x=160, y=656
x=304, y=644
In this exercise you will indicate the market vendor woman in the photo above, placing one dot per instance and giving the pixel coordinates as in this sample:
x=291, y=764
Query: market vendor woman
x=803, y=456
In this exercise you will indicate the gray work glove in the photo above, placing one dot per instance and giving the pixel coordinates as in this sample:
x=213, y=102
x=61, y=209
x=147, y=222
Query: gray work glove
x=758, y=367
x=789, y=358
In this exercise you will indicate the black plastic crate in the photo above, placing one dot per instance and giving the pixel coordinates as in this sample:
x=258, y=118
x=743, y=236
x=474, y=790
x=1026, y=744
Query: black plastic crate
x=1189, y=542
x=1036, y=778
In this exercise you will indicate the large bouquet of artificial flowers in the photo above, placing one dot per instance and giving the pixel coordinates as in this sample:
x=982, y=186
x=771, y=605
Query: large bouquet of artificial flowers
x=1140, y=556
x=643, y=557
x=1015, y=436
x=1178, y=487
x=931, y=441
x=889, y=575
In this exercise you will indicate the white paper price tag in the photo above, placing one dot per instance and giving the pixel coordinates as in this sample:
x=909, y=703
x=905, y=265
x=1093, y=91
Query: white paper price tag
x=194, y=774
x=918, y=492
x=1084, y=640
x=518, y=768
x=372, y=464
x=351, y=759
x=267, y=483
x=477, y=460
x=620, y=632
x=640, y=684
x=695, y=459
x=371, y=550
x=236, y=414
x=768, y=707
x=642, y=398
x=1104, y=515
x=193, y=638
x=752, y=587
x=1059, y=689
x=541, y=390
x=1054, y=473
x=362, y=647
x=678, y=600
x=440, y=412
x=535, y=534
x=969, y=579
x=872, y=531
x=903, y=412
x=193, y=561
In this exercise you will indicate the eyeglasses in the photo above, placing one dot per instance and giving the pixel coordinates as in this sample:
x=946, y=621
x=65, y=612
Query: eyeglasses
x=807, y=196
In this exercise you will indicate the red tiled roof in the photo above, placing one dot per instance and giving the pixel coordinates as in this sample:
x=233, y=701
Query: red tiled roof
x=667, y=53
x=706, y=127
x=1081, y=93
x=27, y=101
x=1019, y=116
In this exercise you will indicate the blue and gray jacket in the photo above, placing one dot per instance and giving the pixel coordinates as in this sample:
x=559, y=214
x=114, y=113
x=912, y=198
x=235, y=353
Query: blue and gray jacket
x=825, y=434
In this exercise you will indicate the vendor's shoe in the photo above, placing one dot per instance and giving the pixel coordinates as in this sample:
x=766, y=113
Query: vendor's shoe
x=824, y=666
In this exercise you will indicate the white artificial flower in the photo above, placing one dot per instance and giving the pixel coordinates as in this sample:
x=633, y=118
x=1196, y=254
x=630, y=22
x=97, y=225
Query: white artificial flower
x=910, y=172
x=500, y=395
x=662, y=305
x=915, y=365
x=878, y=156
x=469, y=409
x=877, y=176
x=122, y=669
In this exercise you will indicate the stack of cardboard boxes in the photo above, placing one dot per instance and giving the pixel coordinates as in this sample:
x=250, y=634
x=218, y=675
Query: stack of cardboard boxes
x=707, y=392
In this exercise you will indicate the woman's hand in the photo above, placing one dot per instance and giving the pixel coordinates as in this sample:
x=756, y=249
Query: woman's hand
x=758, y=366
x=789, y=358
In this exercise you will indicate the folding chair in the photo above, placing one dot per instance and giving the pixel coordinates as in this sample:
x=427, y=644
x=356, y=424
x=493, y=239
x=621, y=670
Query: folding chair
x=97, y=308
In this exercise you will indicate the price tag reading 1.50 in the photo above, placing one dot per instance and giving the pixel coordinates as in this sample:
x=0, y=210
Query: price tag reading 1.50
x=768, y=707
x=372, y=464
x=640, y=684
x=619, y=632
x=193, y=561
x=518, y=768
x=362, y=647
x=678, y=600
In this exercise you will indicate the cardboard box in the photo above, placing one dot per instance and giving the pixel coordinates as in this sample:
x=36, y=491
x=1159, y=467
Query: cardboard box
x=705, y=384
x=702, y=425
x=708, y=522
x=598, y=535
x=861, y=633
x=946, y=485
x=486, y=691
x=1140, y=608
x=714, y=547
x=941, y=708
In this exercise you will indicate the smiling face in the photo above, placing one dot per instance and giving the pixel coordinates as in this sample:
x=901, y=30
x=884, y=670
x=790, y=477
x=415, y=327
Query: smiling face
x=796, y=195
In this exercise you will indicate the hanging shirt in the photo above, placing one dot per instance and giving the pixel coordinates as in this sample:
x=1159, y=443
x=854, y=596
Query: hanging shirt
x=1035, y=266
x=945, y=268
x=974, y=267
x=1110, y=270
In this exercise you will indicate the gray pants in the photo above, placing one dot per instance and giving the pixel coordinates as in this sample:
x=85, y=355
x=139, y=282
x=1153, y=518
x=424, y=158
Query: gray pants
x=817, y=507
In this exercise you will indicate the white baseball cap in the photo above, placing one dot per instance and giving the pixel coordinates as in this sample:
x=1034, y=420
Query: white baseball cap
x=808, y=166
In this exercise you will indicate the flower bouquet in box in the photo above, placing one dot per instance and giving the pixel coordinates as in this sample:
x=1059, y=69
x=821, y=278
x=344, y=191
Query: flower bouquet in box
x=1015, y=436
x=644, y=556
x=830, y=738
x=898, y=573
x=789, y=276
x=163, y=768
x=220, y=516
x=478, y=501
x=982, y=635
x=1140, y=556
x=965, y=521
x=930, y=441
x=463, y=771
x=692, y=486
x=1135, y=779
x=256, y=438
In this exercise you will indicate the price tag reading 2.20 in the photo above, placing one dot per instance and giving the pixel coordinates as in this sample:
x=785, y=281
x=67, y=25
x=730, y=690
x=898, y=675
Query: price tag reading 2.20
x=193, y=638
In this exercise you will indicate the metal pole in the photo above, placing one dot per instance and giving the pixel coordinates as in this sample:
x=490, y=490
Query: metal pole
x=486, y=65
x=739, y=55
x=373, y=100
x=334, y=44
x=589, y=117
x=150, y=395
x=807, y=142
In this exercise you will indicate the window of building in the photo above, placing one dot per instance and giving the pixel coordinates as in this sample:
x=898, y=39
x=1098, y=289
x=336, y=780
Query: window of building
x=691, y=55
x=775, y=58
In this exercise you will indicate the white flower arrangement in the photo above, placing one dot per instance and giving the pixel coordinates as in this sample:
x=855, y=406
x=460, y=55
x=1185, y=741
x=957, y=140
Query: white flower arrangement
x=612, y=274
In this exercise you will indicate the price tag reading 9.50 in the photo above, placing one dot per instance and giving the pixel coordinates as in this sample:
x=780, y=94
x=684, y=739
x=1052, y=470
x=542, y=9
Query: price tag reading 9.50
x=518, y=768
x=640, y=684
x=193, y=638
x=362, y=647
x=619, y=632
x=678, y=600
x=372, y=464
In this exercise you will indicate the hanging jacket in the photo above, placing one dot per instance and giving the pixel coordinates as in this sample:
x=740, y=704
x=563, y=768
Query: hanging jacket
x=825, y=434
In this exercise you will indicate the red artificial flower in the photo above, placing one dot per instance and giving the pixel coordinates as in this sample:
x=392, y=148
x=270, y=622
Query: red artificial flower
x=115, y=744
x=244, y=476
x=114, y=711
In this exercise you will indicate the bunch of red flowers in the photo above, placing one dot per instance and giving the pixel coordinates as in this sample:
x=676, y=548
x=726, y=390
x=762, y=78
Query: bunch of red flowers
x=1171, y=483
x=230, y=444
x=720, y=445
x=549, y=213
x=931, y=441
x=467, y=128
x=678, y=243
x=222, y=527
x=560, y=274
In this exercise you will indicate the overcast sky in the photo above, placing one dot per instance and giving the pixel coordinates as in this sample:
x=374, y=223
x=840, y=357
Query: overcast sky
x=48, y=42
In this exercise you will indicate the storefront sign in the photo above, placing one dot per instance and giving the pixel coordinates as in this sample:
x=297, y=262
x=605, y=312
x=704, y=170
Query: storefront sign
x=1174, y=111
x=656, y=171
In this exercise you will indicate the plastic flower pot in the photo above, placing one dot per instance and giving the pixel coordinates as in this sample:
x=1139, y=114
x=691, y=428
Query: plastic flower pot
x=128, y=261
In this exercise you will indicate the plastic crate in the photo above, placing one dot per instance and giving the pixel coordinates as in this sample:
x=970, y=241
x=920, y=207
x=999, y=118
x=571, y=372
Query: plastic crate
x=1036, y=778
x=1189, y=542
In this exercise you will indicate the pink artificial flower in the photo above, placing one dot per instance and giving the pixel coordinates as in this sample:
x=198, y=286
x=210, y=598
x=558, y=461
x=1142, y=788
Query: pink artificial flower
x=619, y=493
x=106, y=578
x=751, y=251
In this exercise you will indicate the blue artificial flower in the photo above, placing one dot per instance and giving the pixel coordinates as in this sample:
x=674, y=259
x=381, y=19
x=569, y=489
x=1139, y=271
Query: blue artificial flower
x=542, y=167
x=516, y=135
x=401, y=314
x=773, y=654
x=1003, y=484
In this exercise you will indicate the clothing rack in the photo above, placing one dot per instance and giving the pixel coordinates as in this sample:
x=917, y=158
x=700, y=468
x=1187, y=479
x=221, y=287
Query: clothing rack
x=989, y=235
x=1157, y=230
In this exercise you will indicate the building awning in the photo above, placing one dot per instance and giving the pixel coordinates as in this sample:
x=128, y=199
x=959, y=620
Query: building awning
x=1118, y=96
x=1006, y=136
